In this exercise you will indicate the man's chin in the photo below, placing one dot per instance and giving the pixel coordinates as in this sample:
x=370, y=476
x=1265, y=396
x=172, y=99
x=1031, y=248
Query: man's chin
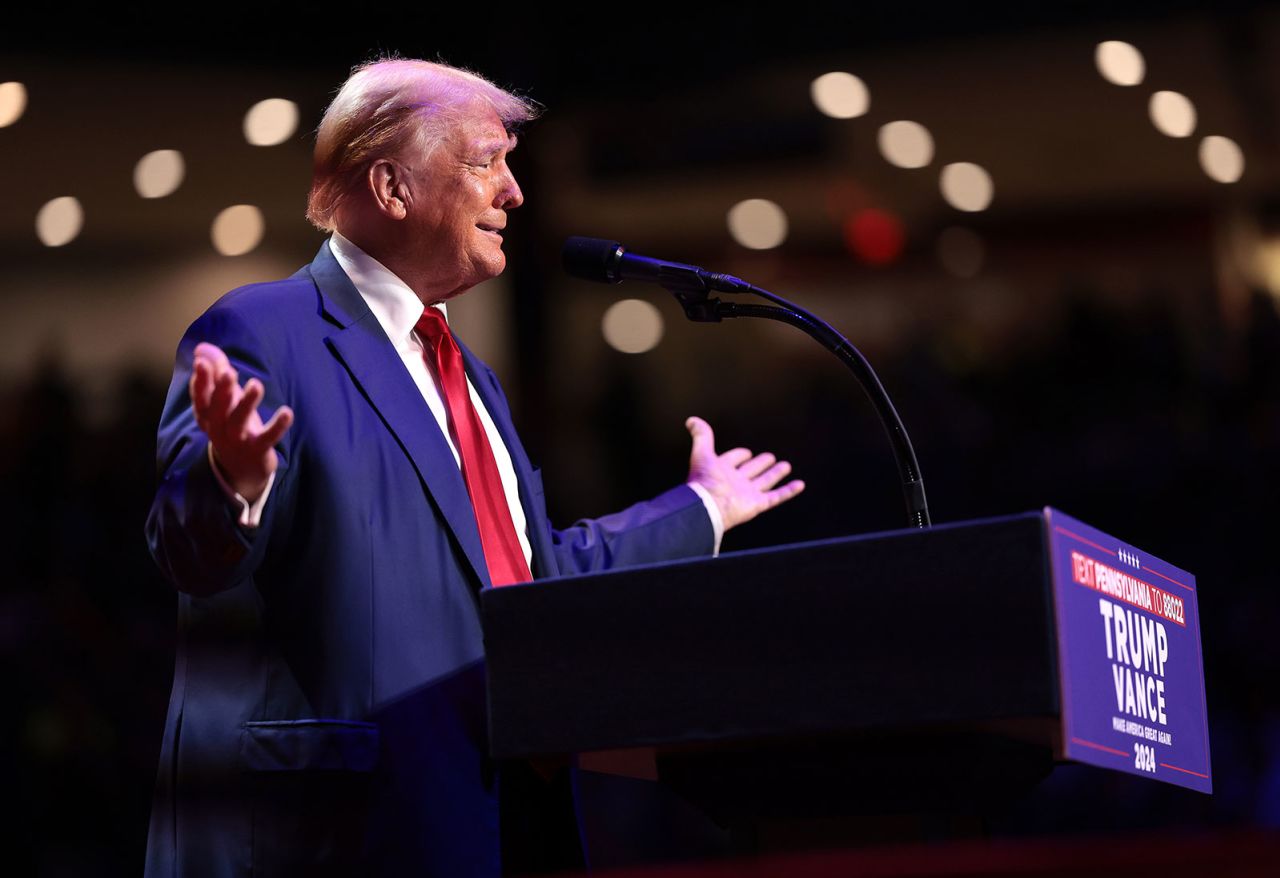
x=491, y=267
x=480, y=276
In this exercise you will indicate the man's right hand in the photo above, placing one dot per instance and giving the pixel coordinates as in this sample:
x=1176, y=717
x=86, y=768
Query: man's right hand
x=228, y=415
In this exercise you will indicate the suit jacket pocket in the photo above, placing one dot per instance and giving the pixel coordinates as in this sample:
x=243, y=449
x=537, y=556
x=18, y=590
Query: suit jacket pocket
x=310, y=782
x=309, y=745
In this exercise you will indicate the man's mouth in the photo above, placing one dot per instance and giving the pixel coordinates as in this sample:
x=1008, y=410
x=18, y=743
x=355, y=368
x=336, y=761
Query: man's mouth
x=496, y=231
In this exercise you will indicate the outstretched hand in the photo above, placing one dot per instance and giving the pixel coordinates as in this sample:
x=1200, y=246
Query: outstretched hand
x=742, y=484
x=228, y=415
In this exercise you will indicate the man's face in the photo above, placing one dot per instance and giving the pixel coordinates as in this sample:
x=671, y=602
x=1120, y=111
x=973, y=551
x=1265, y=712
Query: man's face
x=458, y=205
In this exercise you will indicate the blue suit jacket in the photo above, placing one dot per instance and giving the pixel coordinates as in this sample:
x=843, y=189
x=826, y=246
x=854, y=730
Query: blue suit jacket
x=327, y=714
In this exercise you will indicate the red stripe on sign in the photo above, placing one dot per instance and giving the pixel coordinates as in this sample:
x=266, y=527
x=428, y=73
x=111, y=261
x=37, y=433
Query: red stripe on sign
x=1171, y=579
x=1183, y=770
x=1100, y=747
x=1076, y=536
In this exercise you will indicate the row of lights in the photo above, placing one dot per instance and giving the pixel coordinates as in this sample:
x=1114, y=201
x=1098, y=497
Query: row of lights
x=875, y=236
x=631, y=326
x=634, y=326
x=1172, y=113
x=903, y=143
x=236, y=230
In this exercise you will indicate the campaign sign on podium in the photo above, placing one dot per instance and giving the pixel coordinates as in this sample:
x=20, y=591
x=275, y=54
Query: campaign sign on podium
x=1129, y=657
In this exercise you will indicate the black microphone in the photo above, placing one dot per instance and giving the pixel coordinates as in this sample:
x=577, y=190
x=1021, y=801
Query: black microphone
x=608, y=262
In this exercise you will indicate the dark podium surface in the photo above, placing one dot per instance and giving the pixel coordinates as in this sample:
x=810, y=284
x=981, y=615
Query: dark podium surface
x=903, y=671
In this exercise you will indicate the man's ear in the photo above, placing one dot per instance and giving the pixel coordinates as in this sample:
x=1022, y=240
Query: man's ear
x=388, y=184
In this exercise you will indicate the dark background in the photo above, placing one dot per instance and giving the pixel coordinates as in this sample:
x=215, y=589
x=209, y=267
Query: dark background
x=1116, y=356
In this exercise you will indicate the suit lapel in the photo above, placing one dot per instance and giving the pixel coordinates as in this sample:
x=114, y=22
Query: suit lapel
x=535, y=520
x=376, y=368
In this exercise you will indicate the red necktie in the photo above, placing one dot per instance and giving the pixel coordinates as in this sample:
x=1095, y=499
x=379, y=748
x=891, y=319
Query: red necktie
x=502, y=552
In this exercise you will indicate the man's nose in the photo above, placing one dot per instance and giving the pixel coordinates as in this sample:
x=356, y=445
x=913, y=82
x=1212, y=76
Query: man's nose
x=509, y=196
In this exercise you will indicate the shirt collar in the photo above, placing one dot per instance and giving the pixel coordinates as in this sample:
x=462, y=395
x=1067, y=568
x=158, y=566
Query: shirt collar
x=396, y=307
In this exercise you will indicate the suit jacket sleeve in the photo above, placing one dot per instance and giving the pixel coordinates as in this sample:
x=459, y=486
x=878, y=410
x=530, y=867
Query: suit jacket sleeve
x=672, y=525
x=192, y=528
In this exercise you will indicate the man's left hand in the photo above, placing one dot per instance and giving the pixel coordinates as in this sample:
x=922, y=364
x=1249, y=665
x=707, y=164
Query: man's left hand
x=742, y=484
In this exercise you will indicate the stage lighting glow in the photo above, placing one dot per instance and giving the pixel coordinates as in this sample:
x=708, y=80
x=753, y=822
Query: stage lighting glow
x=237, y=230
x=1172, y=113
x=840, y=95
x=961, y=252
x=758, y=224
x=59, y=221
x=13, y=102
x=966, y=186
x=159, y=173
x=270, y=122
x=1221, y=158
x=876, y=237
x=1119, y=63
x=632, y=326
x=906, y=144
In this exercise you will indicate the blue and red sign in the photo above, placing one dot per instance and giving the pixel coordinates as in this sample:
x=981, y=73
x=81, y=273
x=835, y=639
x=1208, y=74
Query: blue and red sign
x=1128, y=658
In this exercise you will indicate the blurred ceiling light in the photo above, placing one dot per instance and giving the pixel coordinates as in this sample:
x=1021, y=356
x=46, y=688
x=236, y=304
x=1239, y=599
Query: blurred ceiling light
x=757, y=223
x=876, y=237
x=906, y=144
x=1119, y=63
x=961, y=252
x=237, y=230
x=59, y=221
x=840, y=95
x=13, y=102
x=1221, y=158
x=632, y=326
x=1172, y=113
x=159, y=173
x=966, y=186
x=270, y=122
x=1268, y=264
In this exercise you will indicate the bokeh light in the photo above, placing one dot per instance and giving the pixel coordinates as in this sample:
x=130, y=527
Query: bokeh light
x=13, y=102
x=757, y=223
x=237, y=230
x=59, y=221
x=270, y=122
x=159, y=173
x=632, y=326
x=1172, y=113
x=1119, y=63
x=966, y=186
x=840, y=95
x=1221, y=158
x=906, y=144
x=875, y=237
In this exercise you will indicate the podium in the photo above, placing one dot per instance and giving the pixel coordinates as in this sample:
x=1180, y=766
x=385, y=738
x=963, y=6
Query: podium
x=909, y=672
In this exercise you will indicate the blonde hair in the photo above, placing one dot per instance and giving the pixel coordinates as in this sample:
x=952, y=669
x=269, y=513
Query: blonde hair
x=386, y=106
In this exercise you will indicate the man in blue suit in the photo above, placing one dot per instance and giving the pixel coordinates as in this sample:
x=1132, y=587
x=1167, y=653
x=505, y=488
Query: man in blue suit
x=339, y=478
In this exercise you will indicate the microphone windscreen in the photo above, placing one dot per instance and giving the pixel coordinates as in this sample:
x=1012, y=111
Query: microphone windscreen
x=592, y=259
